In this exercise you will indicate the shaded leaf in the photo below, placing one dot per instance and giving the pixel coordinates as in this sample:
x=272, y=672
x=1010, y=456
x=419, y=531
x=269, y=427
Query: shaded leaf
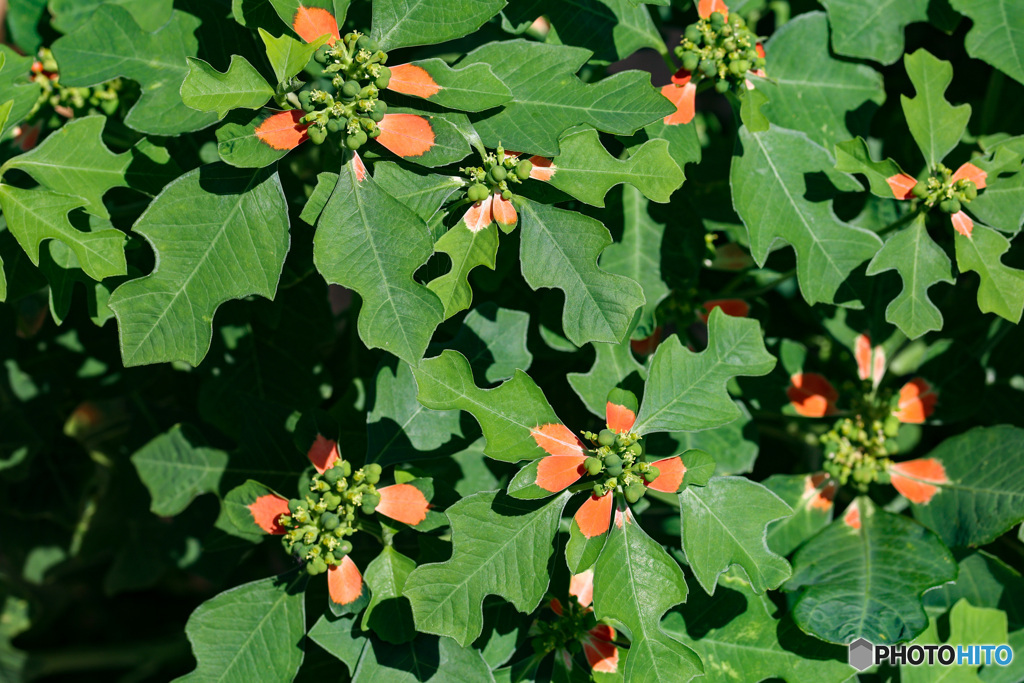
x=494, y=341
x=935, y=124
x=403, y=23
x=613, y=364
x=1001, y=288
x=872, y=30
x=176, y=468
x=967, y=626
x=853, y=156
x=388, y=615
x=467, y=249
x=811, y=497
x=288, y=56
x=997, y=35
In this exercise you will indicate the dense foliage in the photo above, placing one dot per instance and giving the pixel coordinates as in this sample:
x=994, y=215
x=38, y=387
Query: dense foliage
x=472, y=340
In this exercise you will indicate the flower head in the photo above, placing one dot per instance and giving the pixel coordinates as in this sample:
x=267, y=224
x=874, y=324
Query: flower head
x=948, y=190
x=576, y=626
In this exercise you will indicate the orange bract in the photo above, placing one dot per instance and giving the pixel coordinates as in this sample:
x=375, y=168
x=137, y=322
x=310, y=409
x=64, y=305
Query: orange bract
x=503, y=212
x=543, y=168
x=594, y=516
x=582, y=587
x=557, y=439
x=820, y=500
x=962, y=223
x=917, y=401
x=266, y=510
x=707, y=7
x=671, y=477
x=407, y=135
x=312, y=22
x=619, y=418
x=851, y=517
x=683, y=96
x=555, y=472
x=811, y=395
x=478, y=216
x=737, y=308
x=283, y=130
x=973, y=173
x=410, y=79
x=602, y=655
x=915, y=478
x=901, y=185
x=344, y=582
x=404, y=503
x=323, y=453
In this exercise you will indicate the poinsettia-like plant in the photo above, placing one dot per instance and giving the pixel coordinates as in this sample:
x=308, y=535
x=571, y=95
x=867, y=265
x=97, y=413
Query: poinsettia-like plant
x=477, y=340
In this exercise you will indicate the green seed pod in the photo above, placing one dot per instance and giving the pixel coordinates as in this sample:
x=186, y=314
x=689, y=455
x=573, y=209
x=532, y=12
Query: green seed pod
x=651, y=474
x=319, y=565
x=593, y=465
x=612, y=459
x=636, y=449
x=892, y=447
x=725, y=31
x=693, y=34
x=621, y=441
x=377, y=115
x=717, y=19
x=477, y=192
x=300, y=549
x=736, y=20
x=329, y=521
x=523, y=169
x=635, y=492
x=334, y=126
x=708, y=68
x=295, y=504
x=382, y=82
x=690, y=61
x=333, y=474
x=366, y=43
x=332, y=501
x=729, y=44
x=321, y=54
x=350, y=89
x=920, y=190
x=722, y=86
x=367, y=124
x=606, y=437
x=353, y=142
x=970, y=190
x=507, y=195
x=949, y=205
x=614, y=470
x=892, y=426
x=317, y=134
x=373, y=134
x=497, y=174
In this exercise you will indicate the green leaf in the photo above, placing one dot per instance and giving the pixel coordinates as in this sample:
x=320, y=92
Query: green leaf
x=724, y=523
x=15, y=87
x=398, y=428
x=585, y=169
x=424, y=194
x=997, y=36
x=935, y=124
x=68, y=15
x=810, y=496
x=240, y=87
x=921, y=263
x=467, y=249
x=251, y=632
x=404, y=23
x=501, y=546
x=288, y=56
x=613, y=365
x=212, y=245
x=340, y=636
x=638, y=255
x=1001, y=205
x=176, y=468
x=821, y=96
x=700, y=467
x=23, y=20
x=867, y=582
x=547, y=98
x=238, y=145
x=469, y=88
x=450, y=143
x=985, y=494
x=872, y=30
x=560, y=249
x=494, y=341
x=635, y=583
x=686, y=391
x=37, y=215
x=745, y=642
x=425, y=659
x=62, y=270
x=507, y=414
x=967, y=626
x=853, y=156
x=389, y=614
x=370, y=242
x=733, y=445
x=611, y=29
x=74, y=161
x=1001, y=288
x=770, y=183
x=111, y=44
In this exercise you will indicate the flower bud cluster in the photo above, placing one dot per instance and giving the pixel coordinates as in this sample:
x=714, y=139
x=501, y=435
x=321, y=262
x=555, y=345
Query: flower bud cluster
x=720, y=51
x=356, y=68
x=71, y=102
x=940, y=188
x=495, y=175
x=619, y=462
x=858, y=447
x=565, y=632
x=319, y=523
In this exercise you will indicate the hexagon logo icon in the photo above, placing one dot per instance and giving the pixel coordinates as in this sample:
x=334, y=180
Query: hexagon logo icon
x=861, y=654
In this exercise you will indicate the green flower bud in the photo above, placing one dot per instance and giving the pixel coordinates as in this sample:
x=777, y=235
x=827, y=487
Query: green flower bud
x=295, y=504
x=690, y=61
x=366, y=43
x=693, y=34
x=523, y=169
x=334, y=126
x=892, y=426
x=606, y=437
x=332, y=500
x=651, y=474
x=722, y=86
x=507, y=195
x=350, y=89
x=708, y=67
x=355, y=140
x=635, y=492
x=736, y=20
x=317, y=134
x=614, y=470
x=329, y=521
x=612, y=459
x=892, y=447
x=497, y=174
x=970, y=190
x=949, y=205
x=920, y=190
x=367, y=124
x=377, y=115
x=729, y=44
x=318, y=565
x=717, y=19
x=593, y=465
x=321, y=54
x=725, y=30
x=374, y=134
x=636, y=449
